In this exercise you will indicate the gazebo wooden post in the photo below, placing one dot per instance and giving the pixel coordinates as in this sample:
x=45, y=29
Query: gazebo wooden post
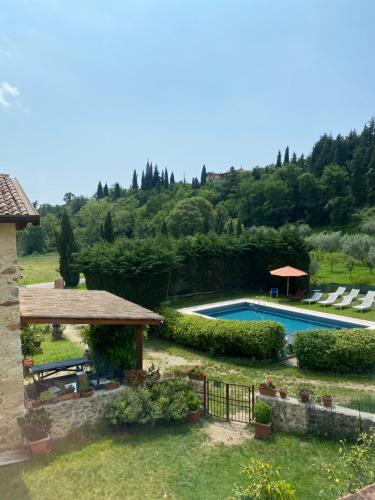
x=139, y=347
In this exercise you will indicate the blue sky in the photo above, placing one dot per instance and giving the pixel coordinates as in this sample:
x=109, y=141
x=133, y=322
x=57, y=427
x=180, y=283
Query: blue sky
x=90, y=90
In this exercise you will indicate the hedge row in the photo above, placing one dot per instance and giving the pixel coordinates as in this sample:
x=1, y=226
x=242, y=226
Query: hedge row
x=339, y=351
x=255, y=339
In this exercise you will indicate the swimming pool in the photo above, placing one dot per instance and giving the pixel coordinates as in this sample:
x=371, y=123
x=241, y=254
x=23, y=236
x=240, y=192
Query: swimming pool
x=293, y=321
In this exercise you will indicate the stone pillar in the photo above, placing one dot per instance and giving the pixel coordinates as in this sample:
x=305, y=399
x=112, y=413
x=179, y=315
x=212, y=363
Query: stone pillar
x=11, y=372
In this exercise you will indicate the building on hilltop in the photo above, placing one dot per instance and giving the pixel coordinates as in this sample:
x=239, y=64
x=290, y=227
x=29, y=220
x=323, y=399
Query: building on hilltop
x=218, y=177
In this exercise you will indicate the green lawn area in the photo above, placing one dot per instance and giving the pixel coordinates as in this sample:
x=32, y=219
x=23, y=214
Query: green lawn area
x=56, y=350
x=173, y=462
x=361, y=274
x=39, y=268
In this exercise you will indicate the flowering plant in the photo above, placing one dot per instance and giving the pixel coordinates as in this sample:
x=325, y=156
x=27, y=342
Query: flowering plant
x=268, y=384
x=196, y=370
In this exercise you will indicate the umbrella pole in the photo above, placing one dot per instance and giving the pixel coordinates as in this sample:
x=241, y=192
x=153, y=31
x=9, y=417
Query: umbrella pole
x=287, y=287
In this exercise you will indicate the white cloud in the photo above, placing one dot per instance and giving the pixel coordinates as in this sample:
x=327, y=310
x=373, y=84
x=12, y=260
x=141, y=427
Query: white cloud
x=8, y=95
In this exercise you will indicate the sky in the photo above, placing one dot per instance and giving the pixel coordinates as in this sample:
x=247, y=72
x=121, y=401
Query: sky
x=91, y=90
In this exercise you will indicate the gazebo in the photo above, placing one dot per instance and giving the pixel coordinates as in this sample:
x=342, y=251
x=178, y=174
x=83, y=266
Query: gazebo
x=92, y=307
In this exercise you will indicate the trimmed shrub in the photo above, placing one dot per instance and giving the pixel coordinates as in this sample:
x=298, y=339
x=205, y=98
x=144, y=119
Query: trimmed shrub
x=166, y=400
x=339, y=351
x=262, y=412
x=255, y=339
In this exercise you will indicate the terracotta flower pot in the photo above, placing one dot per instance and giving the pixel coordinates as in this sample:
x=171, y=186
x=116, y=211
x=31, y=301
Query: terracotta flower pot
x=111, y=386
x=327, y=401
x=27, y=363
x=304, y=398
x=196, y=376
x=87, y=394
x=76, y=395
x=66, y=397
x=267, y=391
x=283, y=393
x=40, y=447
x=29, y=403
x=262, y=431
x=194, y=416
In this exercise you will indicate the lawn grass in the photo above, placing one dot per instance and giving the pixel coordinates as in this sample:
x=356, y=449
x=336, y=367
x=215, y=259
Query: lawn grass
x=38, y=268
x=361, y=274
x=172, y=462
x=57, y=350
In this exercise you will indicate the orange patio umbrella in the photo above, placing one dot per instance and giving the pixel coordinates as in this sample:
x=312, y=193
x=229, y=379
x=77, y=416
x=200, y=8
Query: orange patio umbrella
x=288, y=272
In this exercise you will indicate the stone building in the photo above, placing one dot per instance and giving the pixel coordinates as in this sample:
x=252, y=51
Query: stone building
x=219, y=176
x=16, y=212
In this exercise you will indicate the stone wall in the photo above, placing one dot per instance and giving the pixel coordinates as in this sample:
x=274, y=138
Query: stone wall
x=11, y=373
x=69, y=415
x=291, y=415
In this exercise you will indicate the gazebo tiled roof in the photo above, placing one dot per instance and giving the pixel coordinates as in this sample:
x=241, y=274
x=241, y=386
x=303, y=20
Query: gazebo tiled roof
x=51, y=305
x=15, y=207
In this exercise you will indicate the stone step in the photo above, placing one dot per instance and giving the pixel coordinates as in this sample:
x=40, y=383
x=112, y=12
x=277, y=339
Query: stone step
x=9, y=457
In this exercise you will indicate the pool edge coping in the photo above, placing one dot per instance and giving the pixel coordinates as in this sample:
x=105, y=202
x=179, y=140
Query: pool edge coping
x=194, y=310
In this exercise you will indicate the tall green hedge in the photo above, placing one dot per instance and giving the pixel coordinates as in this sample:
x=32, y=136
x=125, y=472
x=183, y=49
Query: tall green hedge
x=254, y=339
x=339, y=351
x=146, y=271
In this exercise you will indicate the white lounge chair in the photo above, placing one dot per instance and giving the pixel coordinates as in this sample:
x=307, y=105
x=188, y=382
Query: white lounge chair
x=313, y=299
x=331, y=299
x=340, y=290
x=348, y=299
x=367, y=302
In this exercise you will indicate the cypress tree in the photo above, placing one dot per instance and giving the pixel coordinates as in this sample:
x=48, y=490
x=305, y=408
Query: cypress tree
x=99, y=191
x=116, y=191
x=156, y=178
x=203, y=176
x=294, y=158
x=67, y=245
x=230, y=228
x=106, y=229
x=278, y=161
x=171, y=179
x=286, y=156
x=166, y=179
x=301, y=161
x=135, y=180
x=105, y=190
x=239, y=228
x=143, y=187
x=162, y=178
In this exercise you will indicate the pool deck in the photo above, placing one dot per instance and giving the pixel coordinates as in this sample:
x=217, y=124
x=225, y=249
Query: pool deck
x=196, y=310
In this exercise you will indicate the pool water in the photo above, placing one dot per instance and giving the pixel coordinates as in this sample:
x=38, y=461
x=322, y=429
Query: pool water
x=292, y=321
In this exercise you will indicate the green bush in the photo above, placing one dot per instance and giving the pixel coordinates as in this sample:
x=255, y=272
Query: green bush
x=339, y=351
x=148, y=404
x=255, y=339
x=193, y=402
x=262, y=412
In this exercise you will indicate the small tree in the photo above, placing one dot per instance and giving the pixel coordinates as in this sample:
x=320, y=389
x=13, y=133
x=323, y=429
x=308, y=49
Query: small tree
x=203, y=176
x=349, y=264
x=105, y=190
x=67, y=245
x=135, y=180
x=239, y=228
x=99, y=191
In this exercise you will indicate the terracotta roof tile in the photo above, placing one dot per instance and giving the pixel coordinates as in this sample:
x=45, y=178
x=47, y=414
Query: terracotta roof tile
x=13, y=200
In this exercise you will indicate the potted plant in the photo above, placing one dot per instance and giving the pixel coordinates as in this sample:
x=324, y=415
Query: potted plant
x=27, y=362
x=86, y=391
x=68, y=393
x=196, y=373
x=283, y=391
x=268, y=388
x=304, y=395
x=153, y=373
x=45, y=398
x=134, y=377
x=35, y=426
x=263, y=417
x=113, y=384
x=327, y=400
x=194, y=405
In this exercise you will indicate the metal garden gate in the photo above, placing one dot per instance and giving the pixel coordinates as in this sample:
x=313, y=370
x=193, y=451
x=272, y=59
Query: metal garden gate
x=232, y=402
